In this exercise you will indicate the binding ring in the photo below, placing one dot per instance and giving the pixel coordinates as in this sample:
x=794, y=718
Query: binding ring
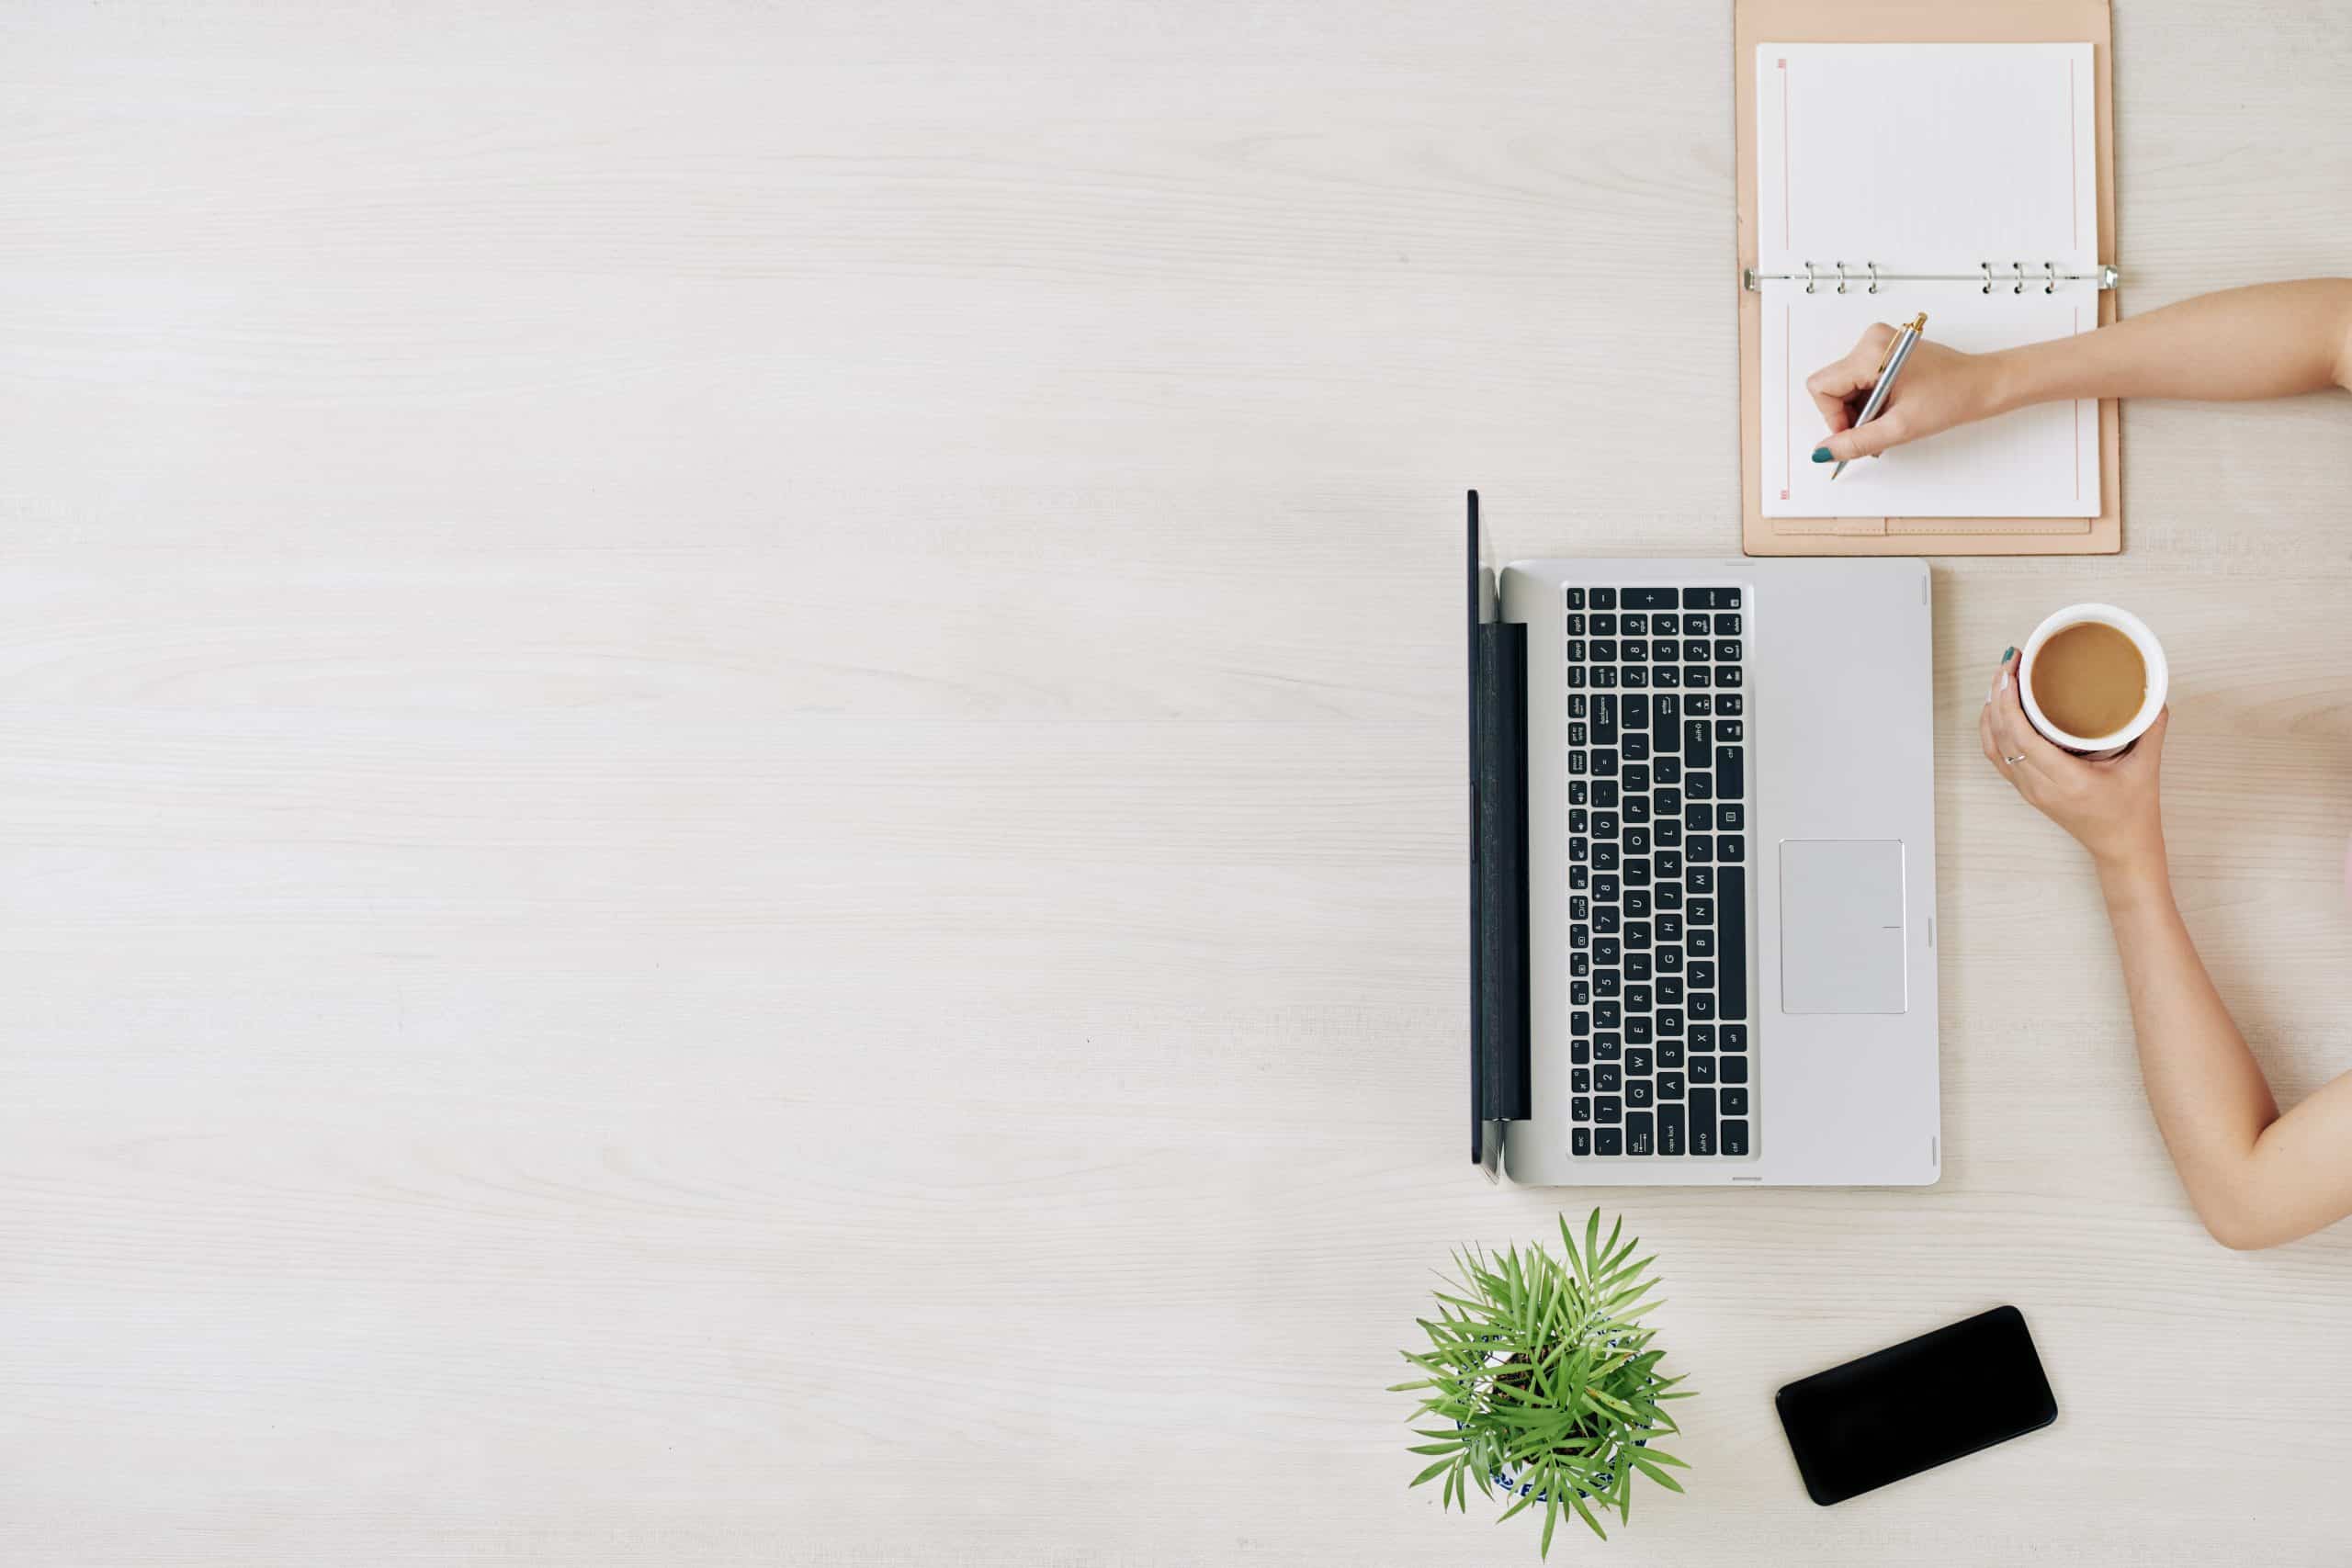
x=1841, y=276
x=1873, y=266
x=1988, y=275
x=2051, y=268
x=2020, y=288
x=1808, y=277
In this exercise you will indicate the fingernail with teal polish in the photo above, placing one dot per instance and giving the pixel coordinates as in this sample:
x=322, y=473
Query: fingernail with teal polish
x=1820, y=454
x=2008, y=654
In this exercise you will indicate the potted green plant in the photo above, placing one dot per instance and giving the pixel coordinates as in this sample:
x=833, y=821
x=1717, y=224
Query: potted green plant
x=1540, y=1379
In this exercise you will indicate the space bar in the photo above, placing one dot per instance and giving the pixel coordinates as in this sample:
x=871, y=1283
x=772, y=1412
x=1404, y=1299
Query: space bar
x=1731, y=943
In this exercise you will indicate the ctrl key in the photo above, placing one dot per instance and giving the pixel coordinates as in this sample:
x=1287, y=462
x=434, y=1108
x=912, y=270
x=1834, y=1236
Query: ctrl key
x=1734, y=1137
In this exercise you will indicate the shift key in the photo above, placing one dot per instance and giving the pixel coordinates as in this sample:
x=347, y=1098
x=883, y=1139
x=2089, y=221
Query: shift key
x=1731, y=774
x=1702, y=1122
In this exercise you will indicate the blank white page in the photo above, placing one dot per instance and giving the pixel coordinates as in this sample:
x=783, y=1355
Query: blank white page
x=1927, y=158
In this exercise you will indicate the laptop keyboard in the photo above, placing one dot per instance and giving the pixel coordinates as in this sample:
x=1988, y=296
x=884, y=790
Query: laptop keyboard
x=1658, y=1047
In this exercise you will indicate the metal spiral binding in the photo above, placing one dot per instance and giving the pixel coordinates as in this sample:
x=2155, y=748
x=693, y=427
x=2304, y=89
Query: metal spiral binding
x=2017, y=278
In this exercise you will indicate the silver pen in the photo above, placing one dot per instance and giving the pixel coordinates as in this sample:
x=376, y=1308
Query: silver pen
x=1889, y=368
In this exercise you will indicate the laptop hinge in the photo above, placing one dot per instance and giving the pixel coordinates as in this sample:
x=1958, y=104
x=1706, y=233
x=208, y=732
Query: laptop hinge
x=1498, y=930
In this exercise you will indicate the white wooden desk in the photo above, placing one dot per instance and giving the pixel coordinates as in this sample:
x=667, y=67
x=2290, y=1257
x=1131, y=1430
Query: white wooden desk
x=731, y=797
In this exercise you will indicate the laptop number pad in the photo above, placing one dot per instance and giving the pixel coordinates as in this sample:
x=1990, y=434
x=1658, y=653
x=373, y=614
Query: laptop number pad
x=1657, y=864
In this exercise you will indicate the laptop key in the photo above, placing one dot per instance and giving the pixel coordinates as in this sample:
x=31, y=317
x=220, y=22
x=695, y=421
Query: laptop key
x=1734, y=1069
x=1576, y=598
x=1637, y=1091
x=1734, y=1037
x=1735, y=1102
x=1670, y=1131
x=1731, y=847
x=1608, y=1047
x=1605, y=718
x=1702, y=1070
x=1733, y=931
x=1608, y=1107
x=1734, y=1137
x=1608, y=1078
x=1702, y=1122
x=1637, y=1133
x=1651, y=598
x=1638, y=1063
x=1670, y=1087
x=1604, y=598
x=1580, y=1082
x=1580, y=1141
x=1609, y=1141
x=1727, y=626
x=1669, y=1053
x=1729, y=704
x=1730, y=774
x=1698, y=785
x=1580, y=1108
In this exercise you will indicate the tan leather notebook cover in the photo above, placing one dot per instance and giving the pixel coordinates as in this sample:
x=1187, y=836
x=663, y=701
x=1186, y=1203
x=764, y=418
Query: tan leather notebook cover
x=1918, y=21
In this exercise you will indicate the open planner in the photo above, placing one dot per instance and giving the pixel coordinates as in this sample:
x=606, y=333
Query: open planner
x=1963, y=180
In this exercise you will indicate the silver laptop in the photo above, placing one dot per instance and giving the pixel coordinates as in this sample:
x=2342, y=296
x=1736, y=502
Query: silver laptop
x=1704, y=894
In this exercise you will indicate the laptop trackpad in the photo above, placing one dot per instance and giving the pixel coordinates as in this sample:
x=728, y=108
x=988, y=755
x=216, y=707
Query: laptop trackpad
x=1841, y=925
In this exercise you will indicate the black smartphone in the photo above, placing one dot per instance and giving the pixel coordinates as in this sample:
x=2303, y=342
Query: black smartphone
x=1916, y=1406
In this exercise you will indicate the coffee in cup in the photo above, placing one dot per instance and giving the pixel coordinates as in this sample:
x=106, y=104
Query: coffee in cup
x=2093, y=678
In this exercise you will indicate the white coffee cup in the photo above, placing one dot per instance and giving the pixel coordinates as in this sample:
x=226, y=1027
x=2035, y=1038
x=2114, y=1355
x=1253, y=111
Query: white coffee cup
x=2151, y=651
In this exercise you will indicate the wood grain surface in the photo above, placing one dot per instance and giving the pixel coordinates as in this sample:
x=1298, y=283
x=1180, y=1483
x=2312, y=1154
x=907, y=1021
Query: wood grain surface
x=730, y=787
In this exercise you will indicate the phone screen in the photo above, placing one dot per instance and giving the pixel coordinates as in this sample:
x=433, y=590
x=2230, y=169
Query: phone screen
x=1916, y=1406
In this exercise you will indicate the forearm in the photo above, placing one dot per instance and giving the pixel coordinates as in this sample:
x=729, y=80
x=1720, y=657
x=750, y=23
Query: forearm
x=2254, y=1177
x=2269, y=341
